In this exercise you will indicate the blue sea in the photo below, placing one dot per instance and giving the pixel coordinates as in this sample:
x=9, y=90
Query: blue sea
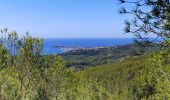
x=55, y=45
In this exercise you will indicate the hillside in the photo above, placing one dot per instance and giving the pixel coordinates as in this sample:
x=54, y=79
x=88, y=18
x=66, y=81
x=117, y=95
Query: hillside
x=97, y=56
x=135, y=78
x=118, y=77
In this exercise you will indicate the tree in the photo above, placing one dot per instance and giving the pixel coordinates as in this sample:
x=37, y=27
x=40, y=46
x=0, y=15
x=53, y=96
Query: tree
x=150, y=18
x=153, y=80
x=25, y=73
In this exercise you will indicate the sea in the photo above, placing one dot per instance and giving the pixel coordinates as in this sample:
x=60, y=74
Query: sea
x=58, y=45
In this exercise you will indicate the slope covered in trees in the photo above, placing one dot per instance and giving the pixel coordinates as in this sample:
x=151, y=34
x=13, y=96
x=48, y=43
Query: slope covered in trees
x=85, y=58
x=143, y=77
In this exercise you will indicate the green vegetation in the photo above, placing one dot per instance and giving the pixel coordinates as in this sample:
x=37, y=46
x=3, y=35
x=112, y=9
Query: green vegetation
x=27, y=75
x=143, y=77
x=85, y=58
x=148, y=18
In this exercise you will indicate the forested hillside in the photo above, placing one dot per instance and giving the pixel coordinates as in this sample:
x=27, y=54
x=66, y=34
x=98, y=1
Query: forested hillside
x=142, y=77
x=92, y=57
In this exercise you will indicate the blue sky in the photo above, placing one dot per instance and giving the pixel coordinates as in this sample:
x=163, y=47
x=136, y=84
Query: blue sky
x=63, y=18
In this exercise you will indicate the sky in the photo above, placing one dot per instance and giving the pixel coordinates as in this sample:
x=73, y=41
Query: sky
x=63, y=18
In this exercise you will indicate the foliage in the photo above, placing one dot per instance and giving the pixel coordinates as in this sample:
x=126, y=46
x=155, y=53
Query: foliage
x=25, y=74
x=143, y=77
x=151, y=18
x=117, y=77
x=24, y=71
x=154, y=81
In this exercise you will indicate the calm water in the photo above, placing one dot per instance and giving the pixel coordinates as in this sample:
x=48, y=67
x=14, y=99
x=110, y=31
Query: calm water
x=52, y=46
